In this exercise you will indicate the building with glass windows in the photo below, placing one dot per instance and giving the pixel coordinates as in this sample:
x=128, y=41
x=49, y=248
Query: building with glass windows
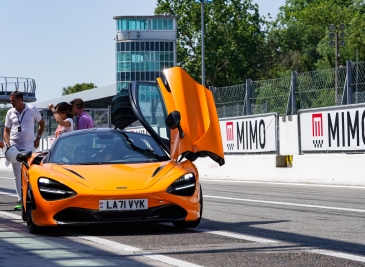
x=145, y=46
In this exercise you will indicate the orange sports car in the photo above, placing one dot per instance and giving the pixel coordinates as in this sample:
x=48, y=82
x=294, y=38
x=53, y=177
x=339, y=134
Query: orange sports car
x=115, y=175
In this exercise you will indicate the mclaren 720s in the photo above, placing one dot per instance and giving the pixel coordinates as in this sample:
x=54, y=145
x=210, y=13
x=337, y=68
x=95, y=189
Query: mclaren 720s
x=114, y=175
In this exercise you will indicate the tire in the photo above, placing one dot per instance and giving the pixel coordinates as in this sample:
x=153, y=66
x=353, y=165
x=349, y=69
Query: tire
x=192, y=224
x=32, y=227
x=24, y=215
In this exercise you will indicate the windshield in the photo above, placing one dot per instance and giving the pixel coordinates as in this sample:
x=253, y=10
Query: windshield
x=109, y=147
x=153, y=108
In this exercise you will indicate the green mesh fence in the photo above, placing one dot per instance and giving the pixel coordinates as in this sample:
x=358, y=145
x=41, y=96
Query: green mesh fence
x=358, y=86
x=230, y=100
x=270, y=96
x=314, y=89
x=318, y=88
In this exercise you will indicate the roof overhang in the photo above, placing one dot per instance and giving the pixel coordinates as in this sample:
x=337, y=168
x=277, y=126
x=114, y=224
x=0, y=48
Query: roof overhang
x=88, y=96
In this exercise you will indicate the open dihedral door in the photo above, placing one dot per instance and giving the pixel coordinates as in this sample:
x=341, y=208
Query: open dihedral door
x=175, y=98
x=198, y=117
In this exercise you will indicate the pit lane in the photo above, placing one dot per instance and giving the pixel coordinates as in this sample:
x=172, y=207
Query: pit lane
x=241, y=233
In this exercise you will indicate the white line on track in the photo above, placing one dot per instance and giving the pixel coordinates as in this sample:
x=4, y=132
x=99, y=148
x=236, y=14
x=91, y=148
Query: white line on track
x=337, y=254
x=176, y=262
x=136, y=251
x=285, y=203
x=237, y=236
x=278, y=183
x=119, y=246
x=9, y=194
x=7, y=178
x=11, y=215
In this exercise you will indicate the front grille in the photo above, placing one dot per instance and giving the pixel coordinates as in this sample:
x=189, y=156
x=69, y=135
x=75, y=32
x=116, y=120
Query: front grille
x=82, y=216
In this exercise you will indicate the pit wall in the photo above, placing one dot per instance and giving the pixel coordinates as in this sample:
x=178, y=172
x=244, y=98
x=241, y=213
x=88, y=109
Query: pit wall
x=319, y=168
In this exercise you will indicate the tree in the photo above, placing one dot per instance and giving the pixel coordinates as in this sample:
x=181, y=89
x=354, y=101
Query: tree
x=233, y=37
x=77, y=88
x=354, y=48
x=300, y=33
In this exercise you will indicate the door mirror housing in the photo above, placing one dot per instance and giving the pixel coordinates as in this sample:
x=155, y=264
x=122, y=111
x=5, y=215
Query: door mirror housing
x=173, y=122
x=23, y=157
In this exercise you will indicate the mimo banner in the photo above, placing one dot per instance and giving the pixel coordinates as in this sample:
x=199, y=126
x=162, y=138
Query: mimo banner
x=241, y=135
x=250, y=134
x=333, y=129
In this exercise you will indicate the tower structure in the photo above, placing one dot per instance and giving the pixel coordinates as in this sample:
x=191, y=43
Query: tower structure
x=145, y=46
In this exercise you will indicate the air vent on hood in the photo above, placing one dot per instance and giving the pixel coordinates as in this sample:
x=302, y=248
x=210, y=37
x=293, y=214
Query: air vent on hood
x=75, y=173
x=157, y=170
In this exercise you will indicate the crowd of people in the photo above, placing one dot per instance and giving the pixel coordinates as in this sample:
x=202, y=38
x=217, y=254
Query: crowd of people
x=19, y=128
x=64, y=112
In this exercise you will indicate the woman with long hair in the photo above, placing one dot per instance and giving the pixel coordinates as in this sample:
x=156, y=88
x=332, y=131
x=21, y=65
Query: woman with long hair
x=63, y=113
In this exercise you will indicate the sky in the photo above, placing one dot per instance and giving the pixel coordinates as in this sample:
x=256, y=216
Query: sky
x=61, y=43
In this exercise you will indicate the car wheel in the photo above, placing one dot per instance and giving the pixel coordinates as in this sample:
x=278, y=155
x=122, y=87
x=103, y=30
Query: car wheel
x=32, y=227
x=192, y=224
x=24, y=215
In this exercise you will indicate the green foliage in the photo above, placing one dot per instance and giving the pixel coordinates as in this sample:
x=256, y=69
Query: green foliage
x=240, y=45
x=233, y=37
x=298, y=39
x=3, y=110
x=77, y=88
x=354, y=48
x=271, y=96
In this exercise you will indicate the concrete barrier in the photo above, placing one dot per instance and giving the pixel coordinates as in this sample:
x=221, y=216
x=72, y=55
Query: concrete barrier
x=319, y=168
x=335, y=169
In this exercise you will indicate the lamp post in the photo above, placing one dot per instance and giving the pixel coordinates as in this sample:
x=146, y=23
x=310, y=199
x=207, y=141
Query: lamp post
x=202, y=29
x=337, y=34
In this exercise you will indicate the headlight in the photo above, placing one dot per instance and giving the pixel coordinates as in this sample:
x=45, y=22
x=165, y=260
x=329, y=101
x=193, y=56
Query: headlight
x=184, y=186
x=53, y=190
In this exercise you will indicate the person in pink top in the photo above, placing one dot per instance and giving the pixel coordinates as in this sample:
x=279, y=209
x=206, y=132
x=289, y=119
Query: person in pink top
x=63, y=114
x=84, y=120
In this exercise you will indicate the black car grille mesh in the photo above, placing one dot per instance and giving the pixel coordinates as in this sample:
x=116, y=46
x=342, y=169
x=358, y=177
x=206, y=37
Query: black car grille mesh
x=161, y=213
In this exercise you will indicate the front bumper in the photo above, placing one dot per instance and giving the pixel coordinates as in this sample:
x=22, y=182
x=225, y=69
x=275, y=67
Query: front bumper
x=79, y=216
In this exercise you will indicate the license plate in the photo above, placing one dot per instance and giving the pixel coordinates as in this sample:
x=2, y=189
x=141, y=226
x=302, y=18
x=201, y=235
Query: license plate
x=124, y=204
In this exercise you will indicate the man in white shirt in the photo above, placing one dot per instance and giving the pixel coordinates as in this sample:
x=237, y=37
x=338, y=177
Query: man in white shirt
x=19, y=132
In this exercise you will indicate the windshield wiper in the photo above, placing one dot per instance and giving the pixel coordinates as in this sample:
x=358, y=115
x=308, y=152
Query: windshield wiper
x=152, y=160
x=146, y=152
x=87, y=163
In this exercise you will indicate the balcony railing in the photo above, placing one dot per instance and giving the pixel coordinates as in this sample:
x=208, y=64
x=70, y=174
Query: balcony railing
x=25, y=85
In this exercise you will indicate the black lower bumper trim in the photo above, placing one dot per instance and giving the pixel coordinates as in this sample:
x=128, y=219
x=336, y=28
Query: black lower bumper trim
x=78, y=216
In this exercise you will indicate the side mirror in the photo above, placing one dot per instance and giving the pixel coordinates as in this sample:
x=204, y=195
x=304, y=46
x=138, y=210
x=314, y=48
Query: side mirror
x=173, y=121
x=23, y=157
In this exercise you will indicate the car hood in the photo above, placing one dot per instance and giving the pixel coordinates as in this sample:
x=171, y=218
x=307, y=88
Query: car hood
x=124, y=177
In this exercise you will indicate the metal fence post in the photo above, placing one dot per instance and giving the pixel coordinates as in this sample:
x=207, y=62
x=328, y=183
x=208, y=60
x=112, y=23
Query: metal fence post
x=248, y=97
x=49, y=126
x=92, y=114
x=292, y=101
x=109, y=116
x=349, y=80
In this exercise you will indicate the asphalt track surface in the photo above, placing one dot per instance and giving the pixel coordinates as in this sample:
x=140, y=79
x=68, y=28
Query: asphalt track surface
x=244, y=224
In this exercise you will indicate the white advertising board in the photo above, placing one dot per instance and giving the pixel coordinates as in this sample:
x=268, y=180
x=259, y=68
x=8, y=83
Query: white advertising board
x=332, y=129
x=250, y=134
